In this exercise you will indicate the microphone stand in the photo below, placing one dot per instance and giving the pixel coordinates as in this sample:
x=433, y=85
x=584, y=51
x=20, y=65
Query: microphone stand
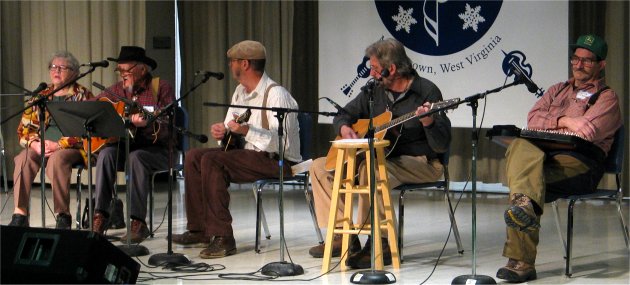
x=472, y=101
x=41, y=105
x=372, y=276
x=279, y=268
x=170, y=257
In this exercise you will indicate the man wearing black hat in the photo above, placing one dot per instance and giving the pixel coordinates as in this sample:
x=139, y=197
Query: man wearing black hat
x=148, y=149
x=583, y=105
x=209, y=171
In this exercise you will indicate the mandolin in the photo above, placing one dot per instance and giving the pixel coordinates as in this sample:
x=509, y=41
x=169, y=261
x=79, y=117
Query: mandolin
x=234, y=141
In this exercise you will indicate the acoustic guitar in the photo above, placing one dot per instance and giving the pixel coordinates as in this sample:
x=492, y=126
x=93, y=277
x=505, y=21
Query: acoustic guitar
x=382, y=123
x=234, y=141
x=119, y=107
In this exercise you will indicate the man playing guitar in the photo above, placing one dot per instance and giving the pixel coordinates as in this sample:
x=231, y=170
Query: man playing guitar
x=148, y=148
x=418, y=141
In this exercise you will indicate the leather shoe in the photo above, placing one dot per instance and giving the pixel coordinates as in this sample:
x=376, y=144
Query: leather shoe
x=221, y=246
x=517, y=271
x=64, y=221
x=318, y=250
x=18, y=220
x=99, y=223
x=192, y=239
x=139, y=231
x=363, y=258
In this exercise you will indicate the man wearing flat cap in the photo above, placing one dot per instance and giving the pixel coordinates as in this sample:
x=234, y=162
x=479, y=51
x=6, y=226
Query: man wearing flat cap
x=209, y=171
x=583, y=105
x=148, y=147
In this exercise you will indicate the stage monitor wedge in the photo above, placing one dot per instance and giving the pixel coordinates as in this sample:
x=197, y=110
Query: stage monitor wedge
x=38, y=255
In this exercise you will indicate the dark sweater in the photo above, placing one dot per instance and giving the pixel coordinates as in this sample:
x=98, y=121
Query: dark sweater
x=414, y=139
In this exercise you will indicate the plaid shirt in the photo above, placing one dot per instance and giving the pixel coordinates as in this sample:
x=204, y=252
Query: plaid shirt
x=143, y=95
x=28, y=128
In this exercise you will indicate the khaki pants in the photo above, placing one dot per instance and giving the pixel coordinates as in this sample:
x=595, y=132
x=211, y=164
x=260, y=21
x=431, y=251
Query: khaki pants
x=400, y=170
x=532, y=172
x=58, y=170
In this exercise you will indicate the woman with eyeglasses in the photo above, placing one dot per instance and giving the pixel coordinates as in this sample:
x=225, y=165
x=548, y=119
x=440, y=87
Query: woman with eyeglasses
x=61, y=152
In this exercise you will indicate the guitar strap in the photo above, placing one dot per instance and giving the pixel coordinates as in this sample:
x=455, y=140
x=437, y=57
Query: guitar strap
x=265, y=121
x=155, y=85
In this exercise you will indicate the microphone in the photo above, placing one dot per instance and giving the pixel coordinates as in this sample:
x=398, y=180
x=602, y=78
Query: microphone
x=199, y=138
x=339, y=108
x=373, y=82
x=40, y=88
x=522, y=77
x=103, y=63
x=217, y=75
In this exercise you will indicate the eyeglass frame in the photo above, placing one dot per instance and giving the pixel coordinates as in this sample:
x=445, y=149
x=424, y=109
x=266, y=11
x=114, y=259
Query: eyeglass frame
x=126, y=71
x=59, y=68
x=588, y=62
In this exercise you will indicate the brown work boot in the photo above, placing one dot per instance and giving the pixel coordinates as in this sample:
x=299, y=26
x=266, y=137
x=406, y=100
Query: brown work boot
x=221, y=246
x=139, y=231
x=521, y=214
x=363, y=258
x=318, y=250
x=517, y=271
x=99, y=223
x=192, y=239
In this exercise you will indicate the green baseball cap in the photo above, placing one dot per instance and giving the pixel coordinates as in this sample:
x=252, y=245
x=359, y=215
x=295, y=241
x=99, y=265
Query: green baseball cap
x=593, y=43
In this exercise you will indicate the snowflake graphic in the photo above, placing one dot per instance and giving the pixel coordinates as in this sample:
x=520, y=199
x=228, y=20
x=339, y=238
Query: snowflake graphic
x=471, y=17
x=404, y=20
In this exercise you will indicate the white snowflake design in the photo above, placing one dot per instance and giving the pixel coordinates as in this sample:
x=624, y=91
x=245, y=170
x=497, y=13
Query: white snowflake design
x=471, y=17
x=404, y=20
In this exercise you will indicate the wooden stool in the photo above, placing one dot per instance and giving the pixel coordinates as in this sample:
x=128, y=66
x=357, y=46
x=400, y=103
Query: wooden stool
x=347, y=151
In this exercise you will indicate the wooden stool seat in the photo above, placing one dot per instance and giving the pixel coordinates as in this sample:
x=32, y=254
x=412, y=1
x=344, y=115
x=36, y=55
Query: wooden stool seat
x=344, y=183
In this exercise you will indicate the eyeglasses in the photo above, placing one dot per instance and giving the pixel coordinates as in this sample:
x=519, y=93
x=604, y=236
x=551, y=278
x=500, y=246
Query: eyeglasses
x=59, y=68
x=588, y=62
x=125, y=71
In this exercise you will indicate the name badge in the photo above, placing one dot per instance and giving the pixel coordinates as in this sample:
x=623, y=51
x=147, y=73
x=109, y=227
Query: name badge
x=149, y=108
x=583, y=95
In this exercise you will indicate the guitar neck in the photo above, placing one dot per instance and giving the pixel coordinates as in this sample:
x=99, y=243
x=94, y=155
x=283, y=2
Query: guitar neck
x=397, y=121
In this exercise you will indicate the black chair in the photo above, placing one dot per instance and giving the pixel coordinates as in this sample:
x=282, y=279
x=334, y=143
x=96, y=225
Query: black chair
x=612, y=165
x=437, y=185
x=181, y=121
x=302, y=179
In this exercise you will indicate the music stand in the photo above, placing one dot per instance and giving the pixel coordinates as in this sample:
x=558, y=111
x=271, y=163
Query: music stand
x=87, y=119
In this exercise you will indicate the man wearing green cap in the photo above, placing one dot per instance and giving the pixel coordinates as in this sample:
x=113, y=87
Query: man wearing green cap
x=584, y=106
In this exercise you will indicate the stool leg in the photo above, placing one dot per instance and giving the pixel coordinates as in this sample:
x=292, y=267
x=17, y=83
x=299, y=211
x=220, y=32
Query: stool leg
x=333, y=212
x=390, y=218
x=351, y=155
x=78, y=217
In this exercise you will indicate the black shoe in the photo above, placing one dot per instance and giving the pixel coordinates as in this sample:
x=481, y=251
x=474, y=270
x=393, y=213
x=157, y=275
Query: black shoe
x=18, y=220
x=318, y=250
x=363, y=258
x=64, y=221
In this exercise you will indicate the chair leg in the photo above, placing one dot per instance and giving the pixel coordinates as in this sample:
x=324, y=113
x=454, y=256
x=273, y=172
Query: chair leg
x=556, y=213
x=624, y=226
x=311, y=208
x=401, y=223
x=260, y=215
x=568, y=269
x=78, y=217
x=451, y=215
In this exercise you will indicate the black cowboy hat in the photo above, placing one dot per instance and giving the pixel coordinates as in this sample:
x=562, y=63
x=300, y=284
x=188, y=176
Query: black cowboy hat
x=134, y=53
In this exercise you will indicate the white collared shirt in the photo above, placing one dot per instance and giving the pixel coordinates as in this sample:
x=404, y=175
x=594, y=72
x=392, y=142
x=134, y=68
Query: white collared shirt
x=260, y=139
